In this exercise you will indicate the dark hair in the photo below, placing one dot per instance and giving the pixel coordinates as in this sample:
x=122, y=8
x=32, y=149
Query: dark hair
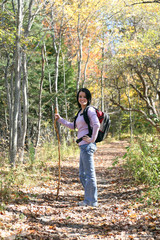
x=88, y=96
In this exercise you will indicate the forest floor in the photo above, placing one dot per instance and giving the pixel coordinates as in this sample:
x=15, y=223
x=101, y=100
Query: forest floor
x=120, y=214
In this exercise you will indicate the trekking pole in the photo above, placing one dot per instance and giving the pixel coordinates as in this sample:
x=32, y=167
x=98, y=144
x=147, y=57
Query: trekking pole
x=59, y=154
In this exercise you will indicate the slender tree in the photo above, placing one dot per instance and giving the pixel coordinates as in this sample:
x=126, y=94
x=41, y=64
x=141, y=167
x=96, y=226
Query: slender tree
x=18, y=58
x=40, y=97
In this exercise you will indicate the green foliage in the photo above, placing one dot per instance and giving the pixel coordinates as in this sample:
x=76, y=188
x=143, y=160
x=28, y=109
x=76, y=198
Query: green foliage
x=47, y=154
x=135, y=35
x=120, y=126
x=40, y=166
x=11, y=180
x=65, y=92
x=31, y=154
x=143, y=161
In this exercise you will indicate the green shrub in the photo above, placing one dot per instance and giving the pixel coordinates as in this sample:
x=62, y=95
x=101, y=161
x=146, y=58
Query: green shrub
x=143, y=160
x=37, y=168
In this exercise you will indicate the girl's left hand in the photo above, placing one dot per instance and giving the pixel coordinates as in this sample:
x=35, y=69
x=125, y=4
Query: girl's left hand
x=87, y=139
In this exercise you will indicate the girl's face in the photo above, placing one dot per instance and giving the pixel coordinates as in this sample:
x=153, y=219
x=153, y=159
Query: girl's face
x=82, y=100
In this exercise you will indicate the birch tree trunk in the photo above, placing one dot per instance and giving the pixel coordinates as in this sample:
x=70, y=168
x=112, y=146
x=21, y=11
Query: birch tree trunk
x=30, y=20
x=64, y=83
x=86, y=64
x=9, y=99
x=65, y=97
x=50, y=87
x=57, y=39
x=79, y=54
x=8, y=88
x=57, y=52
x=13, y=150
x=17, y=117
x=50, y=90
x=25, y=105
x=40, y=97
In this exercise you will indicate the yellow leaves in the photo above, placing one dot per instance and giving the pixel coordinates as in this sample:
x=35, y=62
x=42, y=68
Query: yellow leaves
x=125, y=98
x=131, y=237
x=52, y=227
x=83, y=12
x=133, y=216
x=152, y=8
x=32, y=231
x=1, y=224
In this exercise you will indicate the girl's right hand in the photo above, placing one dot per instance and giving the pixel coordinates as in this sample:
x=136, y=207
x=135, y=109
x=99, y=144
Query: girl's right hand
x=57, y=116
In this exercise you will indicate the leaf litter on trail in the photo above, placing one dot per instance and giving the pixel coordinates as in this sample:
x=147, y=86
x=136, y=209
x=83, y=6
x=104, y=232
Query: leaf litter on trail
x=119, y=215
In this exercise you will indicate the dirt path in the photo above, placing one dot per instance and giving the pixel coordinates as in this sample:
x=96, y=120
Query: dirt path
x=119, y=215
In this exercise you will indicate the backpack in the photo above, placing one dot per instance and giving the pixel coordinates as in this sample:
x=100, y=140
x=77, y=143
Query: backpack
x=104, y=120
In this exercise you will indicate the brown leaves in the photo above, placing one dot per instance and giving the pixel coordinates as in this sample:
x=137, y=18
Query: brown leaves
x=119, y=215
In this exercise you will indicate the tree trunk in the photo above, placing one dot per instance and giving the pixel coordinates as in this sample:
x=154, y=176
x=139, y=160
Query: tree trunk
x=52, y=104
x=102, y=81
x=66, y=103
x=50, y=88
x=79, y=54
x=40, y=98
x=13, y=150
x=64, y=83
x=130, y=113
x=57, y=48
x=86, y=64
x=8, y=89
x=56, y=77
x=119, y=115
x=25, y=104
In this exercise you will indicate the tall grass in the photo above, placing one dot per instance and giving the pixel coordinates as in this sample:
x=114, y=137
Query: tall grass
x=39, y=166
x=143, y=162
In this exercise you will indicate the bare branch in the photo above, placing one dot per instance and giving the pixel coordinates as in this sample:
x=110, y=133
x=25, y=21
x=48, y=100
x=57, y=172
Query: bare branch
x=144, y=2
x=139, y=111
x=146, y=99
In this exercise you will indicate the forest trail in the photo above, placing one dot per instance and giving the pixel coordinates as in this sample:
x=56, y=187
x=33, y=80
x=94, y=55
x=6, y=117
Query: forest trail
x=119, y=215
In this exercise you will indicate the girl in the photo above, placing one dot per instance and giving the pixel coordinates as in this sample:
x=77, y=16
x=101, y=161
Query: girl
x=87, y=146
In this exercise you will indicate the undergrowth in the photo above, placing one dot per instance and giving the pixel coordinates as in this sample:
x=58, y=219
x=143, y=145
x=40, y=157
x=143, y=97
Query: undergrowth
x=143, y=163
x=39, y=166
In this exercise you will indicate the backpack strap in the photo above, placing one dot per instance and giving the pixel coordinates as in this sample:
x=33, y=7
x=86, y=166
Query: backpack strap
x=76, y=118
x=86, y=119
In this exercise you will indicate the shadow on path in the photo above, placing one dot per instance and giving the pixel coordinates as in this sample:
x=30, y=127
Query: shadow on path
x=119, y=215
